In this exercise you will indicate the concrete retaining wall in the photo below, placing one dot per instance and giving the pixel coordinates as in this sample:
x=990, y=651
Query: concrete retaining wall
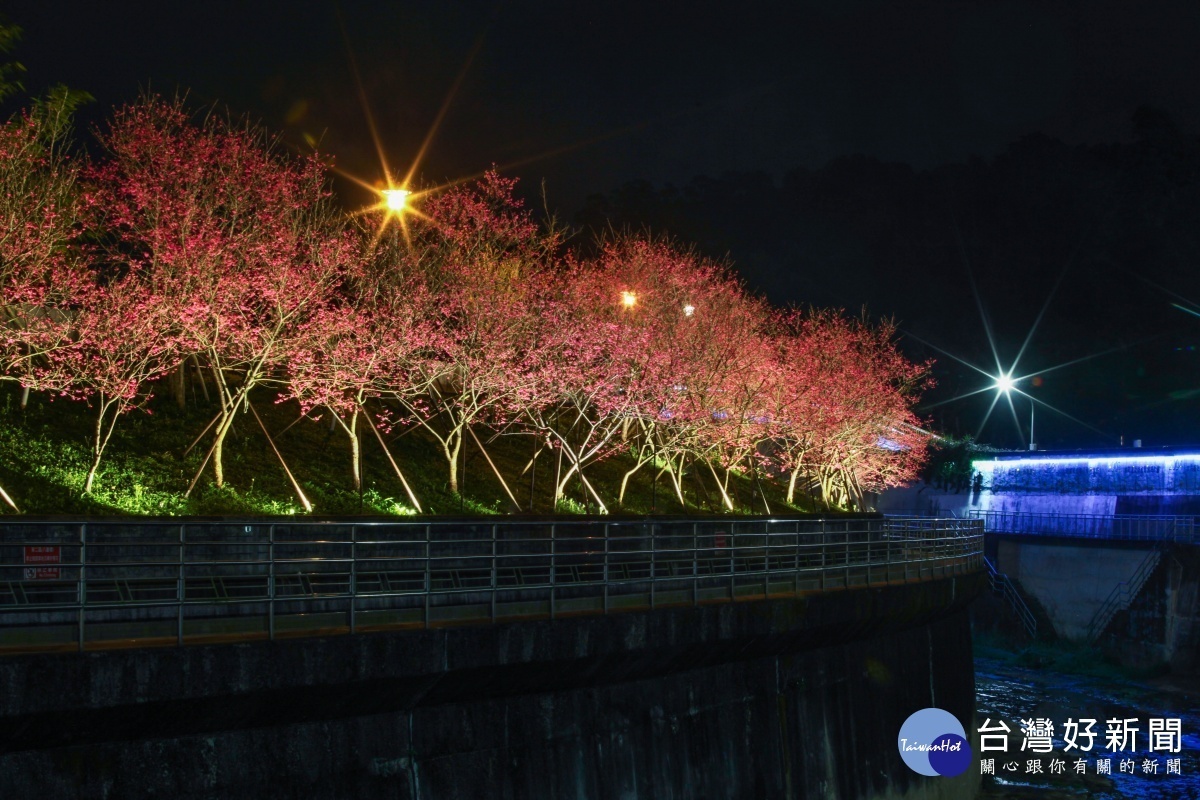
x=776, y=699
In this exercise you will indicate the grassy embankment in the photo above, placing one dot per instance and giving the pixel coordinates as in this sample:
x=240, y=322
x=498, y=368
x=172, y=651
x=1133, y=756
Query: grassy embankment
x=45, y=453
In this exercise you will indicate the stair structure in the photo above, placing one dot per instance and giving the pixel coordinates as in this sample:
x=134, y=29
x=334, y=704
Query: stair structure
x=1004, y=587
x=1123, y=594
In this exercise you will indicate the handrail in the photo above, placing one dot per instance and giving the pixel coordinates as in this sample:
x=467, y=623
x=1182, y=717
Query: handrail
x=1002, y=585
x=1128, y=527
x=102, y=583
x=1123, y=594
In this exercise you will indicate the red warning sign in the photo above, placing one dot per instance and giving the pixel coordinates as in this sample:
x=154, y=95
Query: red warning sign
x=42, y=554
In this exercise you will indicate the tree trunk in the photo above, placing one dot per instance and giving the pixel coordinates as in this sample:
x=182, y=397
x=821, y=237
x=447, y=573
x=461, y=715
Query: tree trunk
x=219, y=449
x=96, y=451
x=625, y=483
x=677, y=481
x=452, y=461
x=100, y=440
x=179, y=385
x=724, y=494
x=200, y=378
x=791, y=494
x=355, y=451
x=562, y=484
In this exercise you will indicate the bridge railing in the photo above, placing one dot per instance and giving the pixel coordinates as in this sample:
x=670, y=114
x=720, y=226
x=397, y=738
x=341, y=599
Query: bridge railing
x=108, y=583
x=1132, y=527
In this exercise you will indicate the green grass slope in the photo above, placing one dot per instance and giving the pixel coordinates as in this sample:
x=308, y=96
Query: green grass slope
x=45, y=452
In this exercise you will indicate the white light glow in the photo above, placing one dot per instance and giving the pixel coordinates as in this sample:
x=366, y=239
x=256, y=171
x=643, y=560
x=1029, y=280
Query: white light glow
x=396, y=200
x=688, y=310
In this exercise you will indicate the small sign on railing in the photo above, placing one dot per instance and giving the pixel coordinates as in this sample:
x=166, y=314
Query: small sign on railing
x=42, y=554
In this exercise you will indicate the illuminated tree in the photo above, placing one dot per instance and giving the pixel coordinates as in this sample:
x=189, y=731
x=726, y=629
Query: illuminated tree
x=362, y=348
x=484, y=263
x=212, y=213
x=654, y=351
x=843, y=396
x=41, y=277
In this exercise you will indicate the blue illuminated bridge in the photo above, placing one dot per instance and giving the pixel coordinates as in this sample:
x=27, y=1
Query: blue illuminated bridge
x=1117, y=527
x=99, y=584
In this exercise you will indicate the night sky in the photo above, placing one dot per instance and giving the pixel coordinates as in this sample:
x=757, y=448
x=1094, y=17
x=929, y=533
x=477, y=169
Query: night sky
x=588, y=98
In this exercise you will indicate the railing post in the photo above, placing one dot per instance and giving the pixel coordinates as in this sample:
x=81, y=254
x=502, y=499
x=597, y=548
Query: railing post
x=606, y=538
x=271, y=582
x=846, y=535
x=732, y=541
x=82, y=582
x=796, y=563
x=823, y=547
x=553, y=567
x=653, y=551
x=179, y=591
x=353, y=577
x=695, y=568
x=767, y=561
x=428, y=575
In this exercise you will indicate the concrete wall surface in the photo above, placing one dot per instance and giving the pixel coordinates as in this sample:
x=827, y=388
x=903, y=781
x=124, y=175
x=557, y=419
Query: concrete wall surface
x=791, y=698
x=1071, y=581
x=1162, y=624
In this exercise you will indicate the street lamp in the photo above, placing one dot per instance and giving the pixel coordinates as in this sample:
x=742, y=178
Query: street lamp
x=1006, y=385
x=629, y=299
x=396, y=200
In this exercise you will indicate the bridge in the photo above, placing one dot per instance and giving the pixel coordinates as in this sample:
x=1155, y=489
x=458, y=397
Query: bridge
x=507, y=657
x=1115, y=527
x=1126, y=581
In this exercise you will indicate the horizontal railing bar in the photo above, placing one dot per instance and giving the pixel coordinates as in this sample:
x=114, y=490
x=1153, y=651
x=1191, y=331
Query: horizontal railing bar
x=107, y=575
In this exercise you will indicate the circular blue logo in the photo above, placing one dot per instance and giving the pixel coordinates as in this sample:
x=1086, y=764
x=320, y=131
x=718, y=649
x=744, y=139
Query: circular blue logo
x=933, y=742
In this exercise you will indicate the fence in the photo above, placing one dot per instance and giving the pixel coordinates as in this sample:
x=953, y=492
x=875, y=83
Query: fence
x=1131, y=527
x=1003, y=586
x=68, y=585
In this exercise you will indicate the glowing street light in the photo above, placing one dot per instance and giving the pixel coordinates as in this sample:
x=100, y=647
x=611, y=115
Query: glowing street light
x=1006, y=385
x=629, y=299
x=396, y=200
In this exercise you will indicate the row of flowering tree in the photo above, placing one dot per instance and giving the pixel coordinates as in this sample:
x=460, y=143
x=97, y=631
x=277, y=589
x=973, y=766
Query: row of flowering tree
x=201, y=247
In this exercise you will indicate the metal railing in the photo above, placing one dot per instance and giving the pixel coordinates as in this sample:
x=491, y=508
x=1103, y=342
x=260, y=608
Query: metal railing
x=111, y=583
x=1132, y=527
x=1003, y=586
x=1123, y=594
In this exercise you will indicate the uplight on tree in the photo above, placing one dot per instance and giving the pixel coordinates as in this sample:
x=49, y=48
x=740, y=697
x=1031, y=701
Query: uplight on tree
x=629, y=299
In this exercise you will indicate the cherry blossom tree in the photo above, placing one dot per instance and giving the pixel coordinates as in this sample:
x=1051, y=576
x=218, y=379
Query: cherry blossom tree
x=41, y=276
x=211, y=212
x=363, y=348
x=843, y=395
x=121, y=343
x=484, y=262
x=657, y=347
